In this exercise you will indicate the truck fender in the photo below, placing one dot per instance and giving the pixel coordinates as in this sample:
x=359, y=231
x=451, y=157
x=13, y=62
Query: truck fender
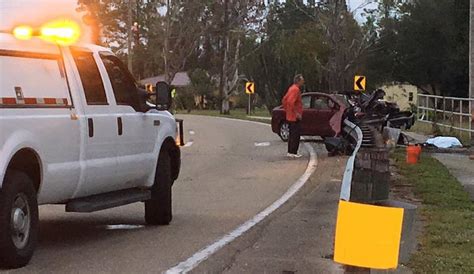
x=167, y=133
x=17, y=141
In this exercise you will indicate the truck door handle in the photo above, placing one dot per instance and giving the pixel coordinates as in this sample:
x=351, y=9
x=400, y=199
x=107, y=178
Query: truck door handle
x=120, y=126
x=90, y=123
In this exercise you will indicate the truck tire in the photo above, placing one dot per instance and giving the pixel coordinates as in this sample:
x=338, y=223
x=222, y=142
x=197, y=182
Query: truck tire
x=158, y=210
x=19, y=222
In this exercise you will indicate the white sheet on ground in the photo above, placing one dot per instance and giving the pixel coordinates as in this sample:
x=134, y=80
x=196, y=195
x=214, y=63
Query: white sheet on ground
x=444, y=142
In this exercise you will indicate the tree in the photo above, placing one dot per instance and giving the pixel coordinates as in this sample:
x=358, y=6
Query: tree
x=348, y=44
x=424, y=43
x=202, y=85
x=287, y=44
x=184, y=27
x=238, y=17
x=323, y=42
x=110, y=17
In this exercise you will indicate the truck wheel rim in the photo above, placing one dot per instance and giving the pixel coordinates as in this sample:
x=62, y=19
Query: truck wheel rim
x=285, y=131
x=20, y=221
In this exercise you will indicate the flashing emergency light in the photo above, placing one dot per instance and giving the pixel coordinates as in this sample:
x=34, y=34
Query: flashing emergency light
x=23, y=32
x=62, y=32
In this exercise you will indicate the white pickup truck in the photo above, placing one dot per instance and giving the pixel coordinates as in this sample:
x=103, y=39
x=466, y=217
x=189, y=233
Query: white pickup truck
x=76, y=130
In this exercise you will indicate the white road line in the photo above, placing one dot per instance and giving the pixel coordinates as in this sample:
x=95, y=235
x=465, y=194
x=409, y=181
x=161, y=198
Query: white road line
x=264, y=144
x=202, y=255
x=123, y=227
x=191, y=132
x=188, y=144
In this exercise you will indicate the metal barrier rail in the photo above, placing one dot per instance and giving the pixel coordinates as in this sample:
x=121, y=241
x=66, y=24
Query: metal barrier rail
x=430, y=107
x=356, y=133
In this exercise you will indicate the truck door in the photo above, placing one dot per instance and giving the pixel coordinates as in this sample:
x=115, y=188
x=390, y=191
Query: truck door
x=136, y=129
x=99, y=133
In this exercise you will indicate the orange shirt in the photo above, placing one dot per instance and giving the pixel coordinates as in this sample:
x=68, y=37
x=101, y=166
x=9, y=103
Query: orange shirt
x=292, y=104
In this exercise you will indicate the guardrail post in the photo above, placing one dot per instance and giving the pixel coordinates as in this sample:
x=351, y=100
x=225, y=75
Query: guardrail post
x=371, y=181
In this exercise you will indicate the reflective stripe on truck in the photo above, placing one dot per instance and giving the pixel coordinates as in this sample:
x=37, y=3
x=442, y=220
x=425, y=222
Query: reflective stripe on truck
x=38, y=102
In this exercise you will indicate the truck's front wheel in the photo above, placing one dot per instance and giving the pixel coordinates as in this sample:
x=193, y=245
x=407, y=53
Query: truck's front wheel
x=158, y=210
x=19, y=222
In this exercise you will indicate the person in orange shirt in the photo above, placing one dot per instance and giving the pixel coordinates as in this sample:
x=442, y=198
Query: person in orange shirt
x=294, y=113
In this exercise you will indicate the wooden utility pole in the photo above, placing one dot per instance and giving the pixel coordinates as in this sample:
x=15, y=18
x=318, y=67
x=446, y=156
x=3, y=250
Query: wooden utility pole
x=130, y=35
x=166, y=50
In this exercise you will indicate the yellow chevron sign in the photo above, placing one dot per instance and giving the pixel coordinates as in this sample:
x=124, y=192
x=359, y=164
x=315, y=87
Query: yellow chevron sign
x=360, y=83
x=250, y=88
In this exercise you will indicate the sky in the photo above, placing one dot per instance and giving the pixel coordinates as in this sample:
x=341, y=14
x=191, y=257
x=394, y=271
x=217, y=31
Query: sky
x=356, y=4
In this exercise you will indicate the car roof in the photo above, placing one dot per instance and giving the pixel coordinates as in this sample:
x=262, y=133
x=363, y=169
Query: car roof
x=316, y=93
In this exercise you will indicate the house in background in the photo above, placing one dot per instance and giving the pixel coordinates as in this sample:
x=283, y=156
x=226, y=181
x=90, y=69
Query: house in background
x=181, y=80
x=405, y=95
x=182, y=85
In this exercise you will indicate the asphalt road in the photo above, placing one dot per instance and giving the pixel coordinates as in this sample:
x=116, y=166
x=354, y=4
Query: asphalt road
x=232, y=171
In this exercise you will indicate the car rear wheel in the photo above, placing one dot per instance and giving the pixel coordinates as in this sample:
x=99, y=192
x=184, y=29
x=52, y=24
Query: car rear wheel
x=19, y=222
x=284, y=131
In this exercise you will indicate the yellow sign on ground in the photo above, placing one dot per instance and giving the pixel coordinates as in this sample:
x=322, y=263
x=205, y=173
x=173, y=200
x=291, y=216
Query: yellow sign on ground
x=368, y=236
x=360, y=83
x=250, y=88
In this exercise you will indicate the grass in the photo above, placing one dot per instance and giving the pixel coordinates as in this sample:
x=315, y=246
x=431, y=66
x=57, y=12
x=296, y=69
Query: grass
x=427, y=129
x=447, y=243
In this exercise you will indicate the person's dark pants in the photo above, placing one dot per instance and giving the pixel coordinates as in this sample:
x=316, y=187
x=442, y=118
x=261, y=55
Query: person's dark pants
x=294, y=140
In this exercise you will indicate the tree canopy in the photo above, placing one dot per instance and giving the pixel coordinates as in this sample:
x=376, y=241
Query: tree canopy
x=225, y=43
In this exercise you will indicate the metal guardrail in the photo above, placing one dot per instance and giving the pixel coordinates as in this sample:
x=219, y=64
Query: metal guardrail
x=448, y=112
x=347, y=180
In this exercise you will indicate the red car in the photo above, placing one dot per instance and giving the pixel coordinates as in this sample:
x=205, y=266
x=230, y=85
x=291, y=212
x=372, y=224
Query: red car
x=322, y=116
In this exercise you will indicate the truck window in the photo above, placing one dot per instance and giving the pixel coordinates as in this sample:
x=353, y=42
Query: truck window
x=90, y=77
x=123, y=84
x=33, y=80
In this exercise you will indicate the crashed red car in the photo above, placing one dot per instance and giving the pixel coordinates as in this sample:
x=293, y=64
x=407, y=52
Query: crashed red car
x=322, y=116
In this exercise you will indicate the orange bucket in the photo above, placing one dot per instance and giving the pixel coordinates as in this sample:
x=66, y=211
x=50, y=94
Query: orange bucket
x=413, y=153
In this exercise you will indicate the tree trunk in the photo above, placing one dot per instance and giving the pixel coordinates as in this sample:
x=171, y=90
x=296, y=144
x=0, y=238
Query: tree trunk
x=225, y=48
x=225, y=108
x=224, y=78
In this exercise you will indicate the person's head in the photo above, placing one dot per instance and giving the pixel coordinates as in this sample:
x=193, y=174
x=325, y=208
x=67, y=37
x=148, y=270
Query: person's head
x=299, y=80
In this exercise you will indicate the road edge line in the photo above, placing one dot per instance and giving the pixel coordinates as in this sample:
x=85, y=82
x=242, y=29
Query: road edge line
x=203, y=254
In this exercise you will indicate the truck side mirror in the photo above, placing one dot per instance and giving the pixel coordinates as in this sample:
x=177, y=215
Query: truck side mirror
x=163, y=96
